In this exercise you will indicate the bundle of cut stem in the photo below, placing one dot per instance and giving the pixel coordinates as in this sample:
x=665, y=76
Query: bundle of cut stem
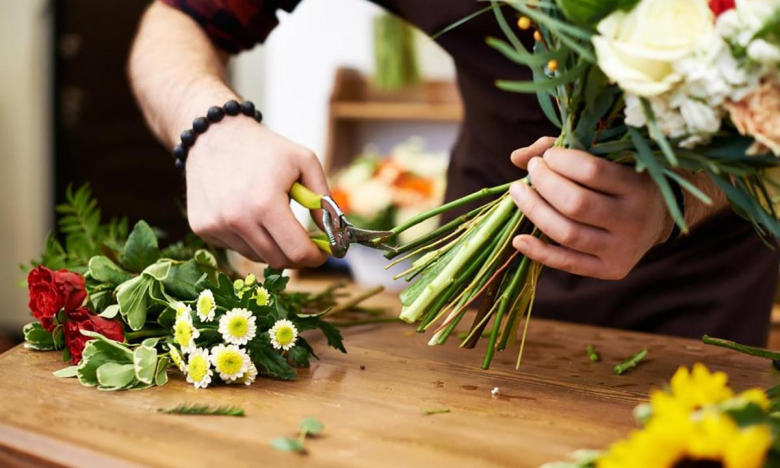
x=467, y=259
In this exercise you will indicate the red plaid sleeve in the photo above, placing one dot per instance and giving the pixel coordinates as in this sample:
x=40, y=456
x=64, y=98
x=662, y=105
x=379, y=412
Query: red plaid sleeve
x=235, y=25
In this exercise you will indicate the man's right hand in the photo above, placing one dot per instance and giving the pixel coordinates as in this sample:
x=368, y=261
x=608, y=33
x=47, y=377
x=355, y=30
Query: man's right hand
x=239, y=174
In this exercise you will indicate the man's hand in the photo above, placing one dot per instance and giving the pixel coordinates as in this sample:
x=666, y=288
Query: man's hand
x=603, y=216
x=239, y=174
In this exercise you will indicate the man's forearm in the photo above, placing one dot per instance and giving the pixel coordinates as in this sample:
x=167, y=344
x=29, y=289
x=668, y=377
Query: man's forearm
x=695, y=211
x=175, y=71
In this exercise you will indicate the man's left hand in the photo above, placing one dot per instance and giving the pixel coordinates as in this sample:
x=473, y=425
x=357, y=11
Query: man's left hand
x=603, y=216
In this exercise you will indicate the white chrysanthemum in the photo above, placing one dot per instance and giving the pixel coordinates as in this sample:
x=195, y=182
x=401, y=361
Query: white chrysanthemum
x=231, y=362
x=206, y=307
x=177, y=358
x=238, y=327
x=184, y=334
x=262, y=297
x=283, y=335
x=199, y=368
x=249, y=376
x=182, y=309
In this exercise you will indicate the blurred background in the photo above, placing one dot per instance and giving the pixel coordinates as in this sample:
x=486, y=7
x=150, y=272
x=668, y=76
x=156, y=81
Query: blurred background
x=337, y=76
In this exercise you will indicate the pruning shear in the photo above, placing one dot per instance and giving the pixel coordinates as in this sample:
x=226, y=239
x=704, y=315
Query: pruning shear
x=339, y=232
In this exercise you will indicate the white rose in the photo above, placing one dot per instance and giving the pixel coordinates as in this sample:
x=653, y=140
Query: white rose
x=637, y=49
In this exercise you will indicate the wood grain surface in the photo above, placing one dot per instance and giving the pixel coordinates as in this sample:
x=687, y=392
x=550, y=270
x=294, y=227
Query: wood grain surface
x=557, y=402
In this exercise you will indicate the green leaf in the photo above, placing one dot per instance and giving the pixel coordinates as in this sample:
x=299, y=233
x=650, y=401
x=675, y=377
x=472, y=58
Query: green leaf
x=299, y=355
x=115, y=376
x=333, y=335
x=145, y=363
x=159, y=270
x=133, y=296
x=275, y=281
x=141, y=249
x=106, y=271
x=589, y=12
x=97, y=352
x=161, y=374
x=110, y=312
x=543, y=83
x=312, y=426
x=271, y=362
x=37, y=338
x=182, y=280
x=288, y=444
x=66, y=373
x=205, y=258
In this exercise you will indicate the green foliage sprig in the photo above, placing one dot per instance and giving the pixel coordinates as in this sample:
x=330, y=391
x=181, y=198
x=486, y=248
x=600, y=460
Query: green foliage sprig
x=204, y=410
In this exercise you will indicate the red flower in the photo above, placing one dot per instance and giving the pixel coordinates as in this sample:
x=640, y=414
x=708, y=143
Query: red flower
x=51, y=291
x=85, y=319
x=719, y=6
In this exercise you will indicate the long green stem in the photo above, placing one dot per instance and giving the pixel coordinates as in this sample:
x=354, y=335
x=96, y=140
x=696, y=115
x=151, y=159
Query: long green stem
x=411, y=222
x=355, y=323
x=352, y=302
x=434, y=234
x=151, y=333
x=506, y=295
x=465, y=253
x=740, y=347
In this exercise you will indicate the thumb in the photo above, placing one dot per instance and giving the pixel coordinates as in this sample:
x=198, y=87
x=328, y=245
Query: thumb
x=521, y=156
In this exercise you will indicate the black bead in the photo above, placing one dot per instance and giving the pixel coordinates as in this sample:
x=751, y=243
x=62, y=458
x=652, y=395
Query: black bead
x=248, y=108
x=180, y=152
x=776, y=364
x=188, y=137
x=259, y=116
x=232, y=107
x=215, y=114
x=179, y=164
x=200, y=124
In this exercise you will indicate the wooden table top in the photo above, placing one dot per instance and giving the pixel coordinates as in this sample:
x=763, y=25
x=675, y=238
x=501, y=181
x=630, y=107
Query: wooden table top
x=557, y=402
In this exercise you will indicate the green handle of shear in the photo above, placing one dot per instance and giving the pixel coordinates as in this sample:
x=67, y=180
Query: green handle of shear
x=308, y=199
x=320, y=239
x=305, y=197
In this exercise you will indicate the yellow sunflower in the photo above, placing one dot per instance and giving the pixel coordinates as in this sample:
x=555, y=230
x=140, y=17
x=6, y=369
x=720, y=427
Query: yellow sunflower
x=674, y=437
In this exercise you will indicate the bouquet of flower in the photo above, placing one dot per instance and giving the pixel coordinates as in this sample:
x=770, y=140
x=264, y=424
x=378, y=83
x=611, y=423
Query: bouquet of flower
x=123, y=310
x=664, y=85
x=378, y=192
x=696, y=421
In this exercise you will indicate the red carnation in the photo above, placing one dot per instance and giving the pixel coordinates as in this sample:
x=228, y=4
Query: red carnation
x=52, y=291
x=719, y=6
x=85, y=319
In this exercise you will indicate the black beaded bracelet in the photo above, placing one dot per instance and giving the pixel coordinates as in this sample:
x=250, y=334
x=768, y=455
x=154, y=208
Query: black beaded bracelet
x=214, y=115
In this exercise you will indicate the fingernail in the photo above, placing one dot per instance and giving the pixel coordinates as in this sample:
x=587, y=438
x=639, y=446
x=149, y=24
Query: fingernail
x=516, y=191
x=532, y=164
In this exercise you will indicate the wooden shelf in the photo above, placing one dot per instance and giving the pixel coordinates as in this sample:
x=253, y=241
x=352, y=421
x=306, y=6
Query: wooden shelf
x=355, y=102
x=402, y=111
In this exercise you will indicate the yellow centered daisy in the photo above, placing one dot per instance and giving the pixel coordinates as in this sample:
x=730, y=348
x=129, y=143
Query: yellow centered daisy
x=249, y=376
x=283, y=335
x=177, y=358
x=231, y=362
x=206, y=308
x=238, y=327
x=199, y=368
x=181, y=309
x=261, y=296
x=184, y=334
